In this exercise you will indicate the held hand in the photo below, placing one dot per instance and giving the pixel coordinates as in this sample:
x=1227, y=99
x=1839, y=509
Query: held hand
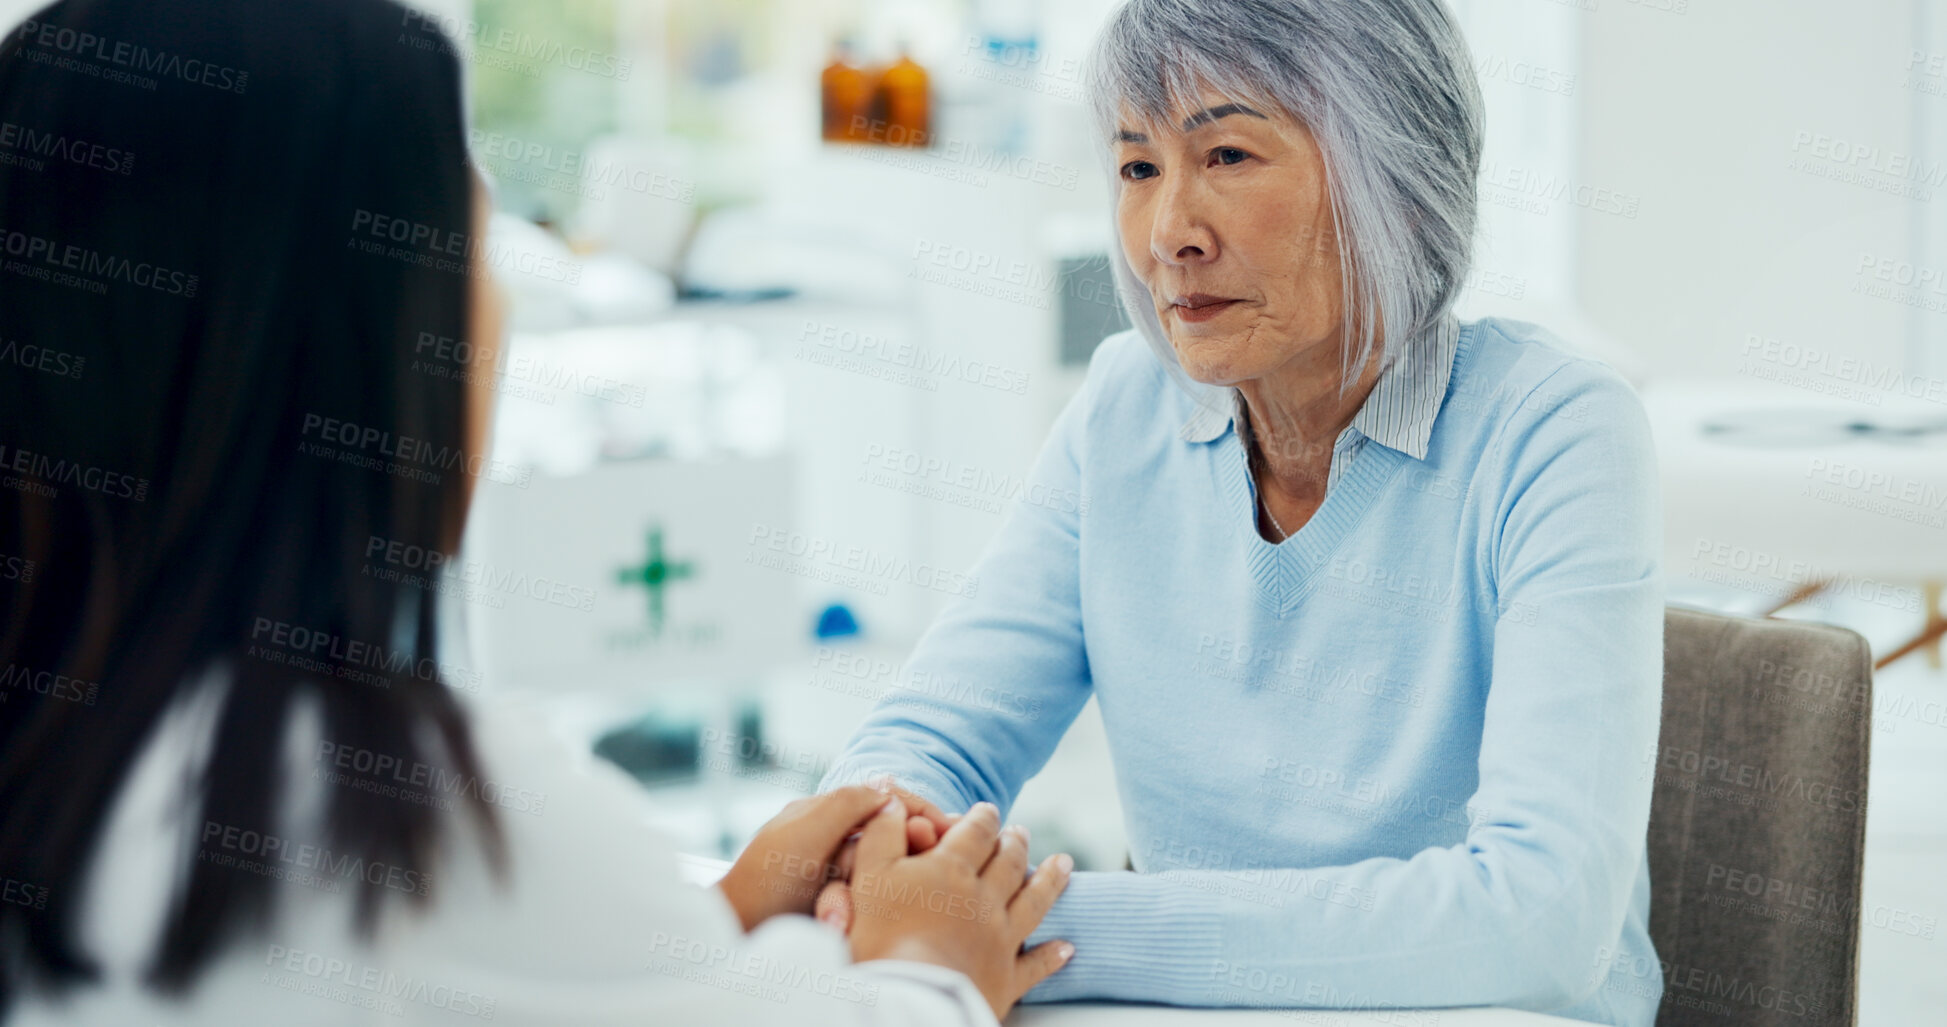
x=963, y=905
x=925, y=824
x=792, y=855
x=798, y=850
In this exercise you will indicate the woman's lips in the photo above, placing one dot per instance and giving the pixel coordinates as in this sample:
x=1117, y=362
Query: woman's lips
x=1197, y=309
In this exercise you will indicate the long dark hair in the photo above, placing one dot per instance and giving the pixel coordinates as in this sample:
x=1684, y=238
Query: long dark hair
x=192, y=296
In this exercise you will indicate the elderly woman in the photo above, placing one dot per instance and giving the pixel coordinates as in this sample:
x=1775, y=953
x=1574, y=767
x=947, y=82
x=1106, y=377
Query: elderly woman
x=1369, y=597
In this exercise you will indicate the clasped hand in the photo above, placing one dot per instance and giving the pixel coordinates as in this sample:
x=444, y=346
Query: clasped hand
x=909, y=882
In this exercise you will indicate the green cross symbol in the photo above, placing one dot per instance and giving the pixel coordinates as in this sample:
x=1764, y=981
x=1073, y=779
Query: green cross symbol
x=655, y=573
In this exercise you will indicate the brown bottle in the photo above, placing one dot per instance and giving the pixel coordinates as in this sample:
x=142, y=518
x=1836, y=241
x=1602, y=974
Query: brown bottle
x=905, y=103
x=847, y=97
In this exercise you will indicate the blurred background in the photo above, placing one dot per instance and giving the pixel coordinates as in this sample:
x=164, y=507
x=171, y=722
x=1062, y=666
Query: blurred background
x=798, y=286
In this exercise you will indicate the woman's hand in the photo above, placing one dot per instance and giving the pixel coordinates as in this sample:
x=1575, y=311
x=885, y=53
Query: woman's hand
x=794, y=854
x=963, y=904
x=782, y=868
x=925, y=825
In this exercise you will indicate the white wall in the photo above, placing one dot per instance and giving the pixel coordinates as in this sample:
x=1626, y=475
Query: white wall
x=1698, y=112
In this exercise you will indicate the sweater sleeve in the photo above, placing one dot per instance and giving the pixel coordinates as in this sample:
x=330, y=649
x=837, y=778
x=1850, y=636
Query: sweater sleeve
x=1000, y=675
x=1522, y=912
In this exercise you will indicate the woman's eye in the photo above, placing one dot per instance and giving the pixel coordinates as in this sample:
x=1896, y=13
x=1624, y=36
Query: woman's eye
x=1138, y=169
x=1230, y=155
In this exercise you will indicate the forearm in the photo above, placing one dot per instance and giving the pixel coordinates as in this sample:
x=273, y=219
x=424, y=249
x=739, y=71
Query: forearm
x=1518, y=915
x=1439, y=930
x=915, y=756
x=999, y=677
x=990, y=690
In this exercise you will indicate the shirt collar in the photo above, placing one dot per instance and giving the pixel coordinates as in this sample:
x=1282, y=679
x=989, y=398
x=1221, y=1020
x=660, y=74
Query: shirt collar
x=1398, y=413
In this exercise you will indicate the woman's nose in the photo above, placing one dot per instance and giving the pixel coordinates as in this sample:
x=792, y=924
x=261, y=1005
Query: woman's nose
x=1181, y=232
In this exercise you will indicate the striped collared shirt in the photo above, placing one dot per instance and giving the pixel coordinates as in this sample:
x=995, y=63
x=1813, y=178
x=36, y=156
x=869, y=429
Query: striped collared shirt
x=1398, y=413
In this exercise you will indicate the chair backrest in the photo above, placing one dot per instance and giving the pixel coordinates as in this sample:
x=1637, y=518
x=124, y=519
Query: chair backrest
x=1758, y=824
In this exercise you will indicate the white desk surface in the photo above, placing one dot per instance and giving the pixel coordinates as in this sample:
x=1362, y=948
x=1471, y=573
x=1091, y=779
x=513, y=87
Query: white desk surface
x=1109, y=1014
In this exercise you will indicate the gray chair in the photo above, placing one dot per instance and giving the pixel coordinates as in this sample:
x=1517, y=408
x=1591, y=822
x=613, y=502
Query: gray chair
x=1758, y=821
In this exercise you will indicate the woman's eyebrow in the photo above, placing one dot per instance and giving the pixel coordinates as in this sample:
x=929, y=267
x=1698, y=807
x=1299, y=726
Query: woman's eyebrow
x=1202, y=117
x=1220, y=111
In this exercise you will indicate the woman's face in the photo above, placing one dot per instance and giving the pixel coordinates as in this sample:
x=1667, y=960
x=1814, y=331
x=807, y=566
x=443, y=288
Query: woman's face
x=1225, y=217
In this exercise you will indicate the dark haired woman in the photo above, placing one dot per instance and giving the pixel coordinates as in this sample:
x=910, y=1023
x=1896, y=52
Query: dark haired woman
x=234, y=787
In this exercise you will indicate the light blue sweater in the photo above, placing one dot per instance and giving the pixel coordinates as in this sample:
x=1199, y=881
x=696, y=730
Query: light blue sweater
x=1400, y=759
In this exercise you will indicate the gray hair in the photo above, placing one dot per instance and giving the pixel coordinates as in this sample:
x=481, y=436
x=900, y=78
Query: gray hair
x=1386, y=87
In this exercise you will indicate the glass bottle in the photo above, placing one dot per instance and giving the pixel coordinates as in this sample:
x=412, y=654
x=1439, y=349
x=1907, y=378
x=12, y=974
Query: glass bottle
x=906, y=102
x=846, y=95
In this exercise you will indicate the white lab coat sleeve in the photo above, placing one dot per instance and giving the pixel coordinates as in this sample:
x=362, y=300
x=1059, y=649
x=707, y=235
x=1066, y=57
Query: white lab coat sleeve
x=895, y=991
x=595, y=925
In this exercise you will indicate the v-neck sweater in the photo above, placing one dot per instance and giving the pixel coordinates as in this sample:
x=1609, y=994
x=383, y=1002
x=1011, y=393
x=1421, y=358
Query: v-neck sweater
x=1401, y=759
